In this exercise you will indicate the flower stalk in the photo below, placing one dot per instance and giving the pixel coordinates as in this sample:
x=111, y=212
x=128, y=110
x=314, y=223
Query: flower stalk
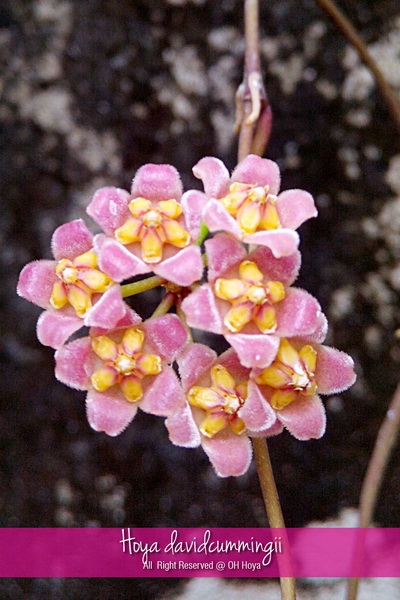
x=137, y=287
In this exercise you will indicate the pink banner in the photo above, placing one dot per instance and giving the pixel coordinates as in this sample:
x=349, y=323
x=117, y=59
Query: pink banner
x=134, y=552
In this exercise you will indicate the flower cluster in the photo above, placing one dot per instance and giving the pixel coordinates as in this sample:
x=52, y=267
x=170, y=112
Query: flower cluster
x=276, y=366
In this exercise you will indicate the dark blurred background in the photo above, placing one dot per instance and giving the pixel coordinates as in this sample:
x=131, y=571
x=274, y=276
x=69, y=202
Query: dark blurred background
x=92, y=90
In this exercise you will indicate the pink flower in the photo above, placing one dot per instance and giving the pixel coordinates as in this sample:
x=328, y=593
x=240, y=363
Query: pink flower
x=72, y=289
x=248, y=300
x=223, y=408
x=146, y=230
x=299, y=373
x=247, y=206
x=124, y=369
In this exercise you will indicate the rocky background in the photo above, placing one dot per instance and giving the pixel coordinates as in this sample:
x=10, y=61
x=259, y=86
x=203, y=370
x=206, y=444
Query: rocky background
x=92, y=90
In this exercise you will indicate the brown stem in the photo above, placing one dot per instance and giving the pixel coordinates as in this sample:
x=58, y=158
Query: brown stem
x=387, y=437
x=273, y=509
x=253, y=114
x=346, y=27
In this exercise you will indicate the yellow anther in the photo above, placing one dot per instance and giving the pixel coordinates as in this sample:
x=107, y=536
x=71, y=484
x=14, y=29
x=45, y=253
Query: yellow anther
x=265, y=318
x=212, y=424
x=229, y=289
x=79, y=299
x=128, y=232
x=222, y=379
x=88, y=260
x=139, y=206
x=249, y=216
x=175, y=234
x=95, y=280
x=105, y=348
x=238, y=316
x=132, y=341
x=104, y=378
x=152, y=246
x=58, y=297
x=170, y=208
x=132, y=389
x=250, y=272
x=149, y=364
x=276, y=291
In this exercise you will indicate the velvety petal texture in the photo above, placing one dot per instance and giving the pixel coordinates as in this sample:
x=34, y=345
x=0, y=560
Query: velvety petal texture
x=230, y=455
x=71, y=240
x=305, y=418
x=259, y=171
x=214, y=175
x=109, y=208
x=157, y=182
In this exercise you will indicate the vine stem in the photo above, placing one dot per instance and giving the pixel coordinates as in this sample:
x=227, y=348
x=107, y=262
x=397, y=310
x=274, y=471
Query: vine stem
x=385, y=441
x=164, y=305
x=254, y=119
x=273, y=510
x=131, y=289
x=346, y=27
x=253, y=113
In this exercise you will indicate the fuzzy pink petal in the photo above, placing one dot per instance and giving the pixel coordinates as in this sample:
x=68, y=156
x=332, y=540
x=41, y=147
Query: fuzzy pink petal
x=282, y=242
x=157, y=182
x=258, y=171
x=184, y=268
x=254, y=350
x=217, y=218
x=36, y=282
x=164, y=394
x=108, y=310
x=334, y=371
x=54, y=327
x=230, y=360
x=223, y=252
x=109, y=412
x=229, y=454
x=298, y=314
x=256, y=412
x=193, y=203
x=71, y=240
x=167, y=335
x=305, y=418
x=319, y=335
x=201, y=311
x=285, y=269
x=195, y=360
x=109, y=208
x=116, y=260
x=182, y=428
x=214, y=175
x=295, y=207
x=74, y=363
x=276, y=429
